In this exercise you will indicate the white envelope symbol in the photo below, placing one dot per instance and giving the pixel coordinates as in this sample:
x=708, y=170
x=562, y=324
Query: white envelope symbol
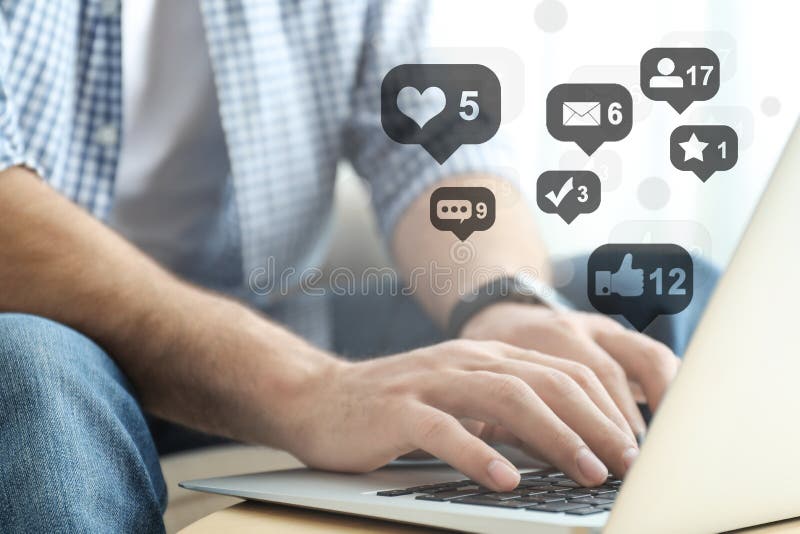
x=581, y=113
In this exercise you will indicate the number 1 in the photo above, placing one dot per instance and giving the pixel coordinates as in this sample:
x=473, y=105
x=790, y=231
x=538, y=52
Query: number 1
x=723, y=147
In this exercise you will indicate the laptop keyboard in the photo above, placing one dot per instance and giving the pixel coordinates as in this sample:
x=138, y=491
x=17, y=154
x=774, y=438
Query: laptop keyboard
x=546, y=490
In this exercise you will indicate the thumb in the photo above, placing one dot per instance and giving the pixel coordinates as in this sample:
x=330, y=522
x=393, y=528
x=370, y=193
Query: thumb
x=627, y=263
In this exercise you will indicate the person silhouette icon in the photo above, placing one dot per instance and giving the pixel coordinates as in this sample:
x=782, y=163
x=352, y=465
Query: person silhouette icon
x=666, y=80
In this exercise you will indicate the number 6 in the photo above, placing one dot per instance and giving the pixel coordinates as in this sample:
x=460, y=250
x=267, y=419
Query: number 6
x=615, y=113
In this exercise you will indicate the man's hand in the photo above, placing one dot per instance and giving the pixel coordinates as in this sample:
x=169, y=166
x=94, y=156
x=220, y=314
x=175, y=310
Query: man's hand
x=614, y=354
x=362, y=415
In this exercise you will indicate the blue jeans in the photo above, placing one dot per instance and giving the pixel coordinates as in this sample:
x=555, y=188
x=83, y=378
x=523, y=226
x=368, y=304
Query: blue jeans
x=76, y=451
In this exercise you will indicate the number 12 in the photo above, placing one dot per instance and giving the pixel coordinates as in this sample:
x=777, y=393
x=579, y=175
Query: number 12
x=677, y=286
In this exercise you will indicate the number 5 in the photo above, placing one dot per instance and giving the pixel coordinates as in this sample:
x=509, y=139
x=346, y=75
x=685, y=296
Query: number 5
x=472, y=114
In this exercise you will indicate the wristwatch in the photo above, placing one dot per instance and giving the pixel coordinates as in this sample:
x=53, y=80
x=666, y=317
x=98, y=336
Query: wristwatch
x=521, y=288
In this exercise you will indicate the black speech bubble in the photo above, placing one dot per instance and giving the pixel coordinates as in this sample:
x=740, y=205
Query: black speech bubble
x=448, y=129
x=640, y=310
x=610, y=98
x=716, y=155
x=679, y=86
x=553, y=195
x=460, y=226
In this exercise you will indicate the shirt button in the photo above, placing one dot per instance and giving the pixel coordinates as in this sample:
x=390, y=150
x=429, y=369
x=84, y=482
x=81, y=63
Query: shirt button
x=106, y=135
x=110, y=8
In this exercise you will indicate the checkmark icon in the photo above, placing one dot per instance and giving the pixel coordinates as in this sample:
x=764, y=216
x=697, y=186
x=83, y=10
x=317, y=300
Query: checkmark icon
x=566, y=189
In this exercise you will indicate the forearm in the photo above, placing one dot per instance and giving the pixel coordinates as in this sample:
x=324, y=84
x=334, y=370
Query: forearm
x=193, y=357
x=425, y=254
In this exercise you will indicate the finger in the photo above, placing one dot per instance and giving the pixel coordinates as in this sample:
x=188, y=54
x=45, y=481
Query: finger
x=571, y=403
x=510, y=402
x=645, y=360
x=499, y=435
x=443, y=436
x=587, y=379
x=612, y=375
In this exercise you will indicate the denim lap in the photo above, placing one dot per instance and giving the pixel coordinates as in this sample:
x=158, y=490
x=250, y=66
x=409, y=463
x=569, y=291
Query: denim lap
x=77, y=453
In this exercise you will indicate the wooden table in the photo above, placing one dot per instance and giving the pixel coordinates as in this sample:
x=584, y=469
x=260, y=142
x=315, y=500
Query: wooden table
x=253, y=517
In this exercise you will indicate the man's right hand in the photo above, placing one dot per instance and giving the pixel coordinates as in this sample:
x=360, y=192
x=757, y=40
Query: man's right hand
x=359, y=416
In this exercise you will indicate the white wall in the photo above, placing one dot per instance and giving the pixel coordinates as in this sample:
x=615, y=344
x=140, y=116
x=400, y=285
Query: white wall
x=757, y=42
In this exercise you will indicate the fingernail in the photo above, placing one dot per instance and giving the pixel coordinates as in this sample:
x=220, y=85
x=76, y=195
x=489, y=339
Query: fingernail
x=503, y=475
x=629, y=456
x=590, y=466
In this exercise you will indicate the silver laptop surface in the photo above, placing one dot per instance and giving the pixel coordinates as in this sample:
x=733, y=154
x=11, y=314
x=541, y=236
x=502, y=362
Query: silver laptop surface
x=722, y=452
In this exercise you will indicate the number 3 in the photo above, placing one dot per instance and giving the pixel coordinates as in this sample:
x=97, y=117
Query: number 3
x=584, y=194
x=472, y=114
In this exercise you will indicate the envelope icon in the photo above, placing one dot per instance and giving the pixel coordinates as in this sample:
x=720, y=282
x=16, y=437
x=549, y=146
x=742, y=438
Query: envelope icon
x=581, y=113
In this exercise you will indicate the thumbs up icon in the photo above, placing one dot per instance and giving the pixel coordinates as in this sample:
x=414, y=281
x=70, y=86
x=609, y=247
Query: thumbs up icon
x=626, y=282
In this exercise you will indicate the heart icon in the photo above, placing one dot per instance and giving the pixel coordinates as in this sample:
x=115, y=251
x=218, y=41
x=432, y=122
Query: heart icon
x=421, y=107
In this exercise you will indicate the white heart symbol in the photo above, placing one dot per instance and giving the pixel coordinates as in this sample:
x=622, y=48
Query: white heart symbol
x=421, y=107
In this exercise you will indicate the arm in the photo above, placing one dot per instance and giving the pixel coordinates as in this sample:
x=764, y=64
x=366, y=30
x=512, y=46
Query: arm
x=205, y=361
x=194, y=357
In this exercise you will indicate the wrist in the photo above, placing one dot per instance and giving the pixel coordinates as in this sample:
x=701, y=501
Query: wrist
x=518, y=289
x=487, y=322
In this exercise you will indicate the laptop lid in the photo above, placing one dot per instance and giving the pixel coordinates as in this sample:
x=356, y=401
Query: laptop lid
x=724, y=449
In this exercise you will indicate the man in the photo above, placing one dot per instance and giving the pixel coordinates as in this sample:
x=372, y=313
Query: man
x=207, y=138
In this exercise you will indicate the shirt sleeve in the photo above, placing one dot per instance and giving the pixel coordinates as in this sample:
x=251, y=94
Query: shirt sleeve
x=396, y=33
x=12, y=152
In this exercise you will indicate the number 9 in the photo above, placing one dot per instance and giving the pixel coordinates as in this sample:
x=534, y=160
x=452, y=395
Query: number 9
x=480, y=209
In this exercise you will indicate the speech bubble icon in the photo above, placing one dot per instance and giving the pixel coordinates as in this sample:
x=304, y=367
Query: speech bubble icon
x=459, y=210
x=606, y=164
x=679, y=76
x=568, y=193
x=589, y=114
x=462, y=210
x=440, y=106
x=691, y=235
x=640, y=281
x=703, y=149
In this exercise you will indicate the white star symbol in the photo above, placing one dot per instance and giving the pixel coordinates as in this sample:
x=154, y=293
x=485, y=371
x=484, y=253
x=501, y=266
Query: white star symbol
x=693, y=148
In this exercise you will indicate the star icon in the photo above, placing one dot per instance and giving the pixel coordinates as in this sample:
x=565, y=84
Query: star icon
x=693, y=148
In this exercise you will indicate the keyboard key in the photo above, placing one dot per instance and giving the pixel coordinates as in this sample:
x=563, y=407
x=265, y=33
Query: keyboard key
x=557, y=507
x=453, y=494
x=568, y=484
x=534, y=491
x=592, y=500
x=555, y=489
x=504, y=496
x=394, y=493
x=585, y=511
x=534, y=483
x=607, y=493
x=579, y=492
x=429, y=488
x=541, y=473
x=483, y=501
x=544, y=499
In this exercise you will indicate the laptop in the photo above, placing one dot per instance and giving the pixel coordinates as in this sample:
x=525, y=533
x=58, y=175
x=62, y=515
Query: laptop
x=722, y=453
